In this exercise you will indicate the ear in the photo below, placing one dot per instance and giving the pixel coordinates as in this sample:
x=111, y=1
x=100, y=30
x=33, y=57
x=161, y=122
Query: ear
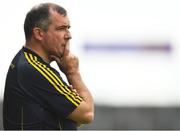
x=38, y=34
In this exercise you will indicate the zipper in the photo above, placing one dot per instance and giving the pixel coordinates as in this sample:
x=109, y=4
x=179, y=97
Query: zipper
x=60, y=126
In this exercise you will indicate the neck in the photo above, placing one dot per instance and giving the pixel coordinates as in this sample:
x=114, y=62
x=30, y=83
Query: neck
x=38, y=49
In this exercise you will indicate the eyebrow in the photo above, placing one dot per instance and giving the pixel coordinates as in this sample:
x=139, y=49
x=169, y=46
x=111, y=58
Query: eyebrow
x=63, y=26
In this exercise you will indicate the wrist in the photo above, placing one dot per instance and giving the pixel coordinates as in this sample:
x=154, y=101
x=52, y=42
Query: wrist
x=73, y=76
x=71, y=73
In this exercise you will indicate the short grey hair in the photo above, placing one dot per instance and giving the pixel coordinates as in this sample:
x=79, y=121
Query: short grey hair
x=39, y=16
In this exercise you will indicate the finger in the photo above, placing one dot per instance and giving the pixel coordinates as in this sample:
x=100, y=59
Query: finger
x=67, y=49
x=71, y=87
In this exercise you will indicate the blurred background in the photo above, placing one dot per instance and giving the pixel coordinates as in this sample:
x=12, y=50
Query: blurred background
x=129, y=53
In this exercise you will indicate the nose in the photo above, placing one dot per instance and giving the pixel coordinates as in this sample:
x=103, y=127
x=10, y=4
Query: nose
x=68, y=35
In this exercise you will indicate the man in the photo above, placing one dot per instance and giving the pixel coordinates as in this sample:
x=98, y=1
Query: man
x=35, y=95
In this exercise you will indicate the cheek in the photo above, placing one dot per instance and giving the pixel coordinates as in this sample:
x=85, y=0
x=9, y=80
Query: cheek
x=59, y=42
x=55, y=44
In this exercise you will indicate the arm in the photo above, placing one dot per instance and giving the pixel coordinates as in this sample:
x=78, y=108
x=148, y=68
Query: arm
x=69, y=65
x=85, y=111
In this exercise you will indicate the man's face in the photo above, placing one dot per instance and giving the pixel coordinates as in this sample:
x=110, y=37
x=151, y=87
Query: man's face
x=58, y=35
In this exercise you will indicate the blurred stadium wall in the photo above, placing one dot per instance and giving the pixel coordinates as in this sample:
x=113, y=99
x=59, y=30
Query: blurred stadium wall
x=131, y=118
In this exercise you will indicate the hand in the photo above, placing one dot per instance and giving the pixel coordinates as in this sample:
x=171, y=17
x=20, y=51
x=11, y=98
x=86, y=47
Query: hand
x=68, y=63
x=73, y=89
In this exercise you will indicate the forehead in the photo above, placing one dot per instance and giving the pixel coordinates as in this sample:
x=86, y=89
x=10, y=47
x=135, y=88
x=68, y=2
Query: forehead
x=58, y=19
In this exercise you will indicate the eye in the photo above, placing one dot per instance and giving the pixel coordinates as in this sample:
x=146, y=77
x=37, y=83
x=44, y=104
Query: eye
x=60, y=28
x=63, y=28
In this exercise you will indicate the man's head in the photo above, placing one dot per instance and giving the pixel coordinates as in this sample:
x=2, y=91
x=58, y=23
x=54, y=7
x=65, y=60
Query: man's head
x=48, y=26
x=39, y=16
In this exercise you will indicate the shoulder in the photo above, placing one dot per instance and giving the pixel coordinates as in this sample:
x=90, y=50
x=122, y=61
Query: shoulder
x=24, y=68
